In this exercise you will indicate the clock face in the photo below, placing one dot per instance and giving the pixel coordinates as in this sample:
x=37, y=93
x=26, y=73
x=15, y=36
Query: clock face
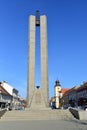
x=58, y=89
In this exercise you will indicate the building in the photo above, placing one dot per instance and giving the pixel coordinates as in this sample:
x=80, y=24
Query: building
x=9, y=95
x=5, y=97
x=64, y=99
x=76, y=96
x=82, y=94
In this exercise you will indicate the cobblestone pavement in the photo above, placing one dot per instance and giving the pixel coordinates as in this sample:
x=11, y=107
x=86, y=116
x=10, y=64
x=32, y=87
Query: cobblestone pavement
x=44, y=125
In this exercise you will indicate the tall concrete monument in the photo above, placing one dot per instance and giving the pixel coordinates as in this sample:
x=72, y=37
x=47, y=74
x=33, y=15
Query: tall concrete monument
x=37, y=97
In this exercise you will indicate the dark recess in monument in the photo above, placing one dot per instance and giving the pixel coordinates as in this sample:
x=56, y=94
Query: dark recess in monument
x=37, y=18
x=37, y=87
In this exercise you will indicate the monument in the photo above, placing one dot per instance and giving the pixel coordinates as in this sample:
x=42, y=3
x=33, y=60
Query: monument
x=37, y=97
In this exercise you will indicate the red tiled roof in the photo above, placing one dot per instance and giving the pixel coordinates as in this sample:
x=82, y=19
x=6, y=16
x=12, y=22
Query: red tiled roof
x=64, y=90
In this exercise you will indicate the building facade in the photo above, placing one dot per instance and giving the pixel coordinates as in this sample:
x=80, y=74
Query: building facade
x=5, y=97
x=76, y=96
x=9, y=96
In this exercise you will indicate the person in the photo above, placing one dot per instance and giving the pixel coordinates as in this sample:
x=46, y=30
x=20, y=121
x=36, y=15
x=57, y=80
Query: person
x=53, y=105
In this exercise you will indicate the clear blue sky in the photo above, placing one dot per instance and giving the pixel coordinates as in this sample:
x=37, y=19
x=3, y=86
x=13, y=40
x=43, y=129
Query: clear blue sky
x=67, y=41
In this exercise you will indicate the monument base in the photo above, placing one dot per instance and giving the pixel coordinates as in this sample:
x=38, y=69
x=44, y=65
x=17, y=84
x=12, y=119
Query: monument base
x=38, y=101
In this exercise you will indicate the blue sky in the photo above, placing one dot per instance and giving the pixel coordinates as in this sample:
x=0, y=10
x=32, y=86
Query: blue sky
x=67, y=41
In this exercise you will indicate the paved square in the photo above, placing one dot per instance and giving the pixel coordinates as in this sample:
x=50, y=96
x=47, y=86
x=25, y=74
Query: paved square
x=43, y=125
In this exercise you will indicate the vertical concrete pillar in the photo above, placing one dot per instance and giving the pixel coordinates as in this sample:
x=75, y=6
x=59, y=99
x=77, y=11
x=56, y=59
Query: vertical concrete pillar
x=31, y=60
x=44, y=58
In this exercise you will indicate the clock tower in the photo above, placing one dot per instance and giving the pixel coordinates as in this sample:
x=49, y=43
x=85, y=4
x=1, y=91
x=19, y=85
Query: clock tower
x=57, y=88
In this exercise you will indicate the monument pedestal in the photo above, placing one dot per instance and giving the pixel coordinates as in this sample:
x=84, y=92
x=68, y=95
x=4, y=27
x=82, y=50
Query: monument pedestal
x=38, y=100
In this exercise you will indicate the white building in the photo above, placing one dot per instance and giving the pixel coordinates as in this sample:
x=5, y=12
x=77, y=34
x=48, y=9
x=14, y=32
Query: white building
x=5, y=97
x=7, y=87
x=11, y=91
